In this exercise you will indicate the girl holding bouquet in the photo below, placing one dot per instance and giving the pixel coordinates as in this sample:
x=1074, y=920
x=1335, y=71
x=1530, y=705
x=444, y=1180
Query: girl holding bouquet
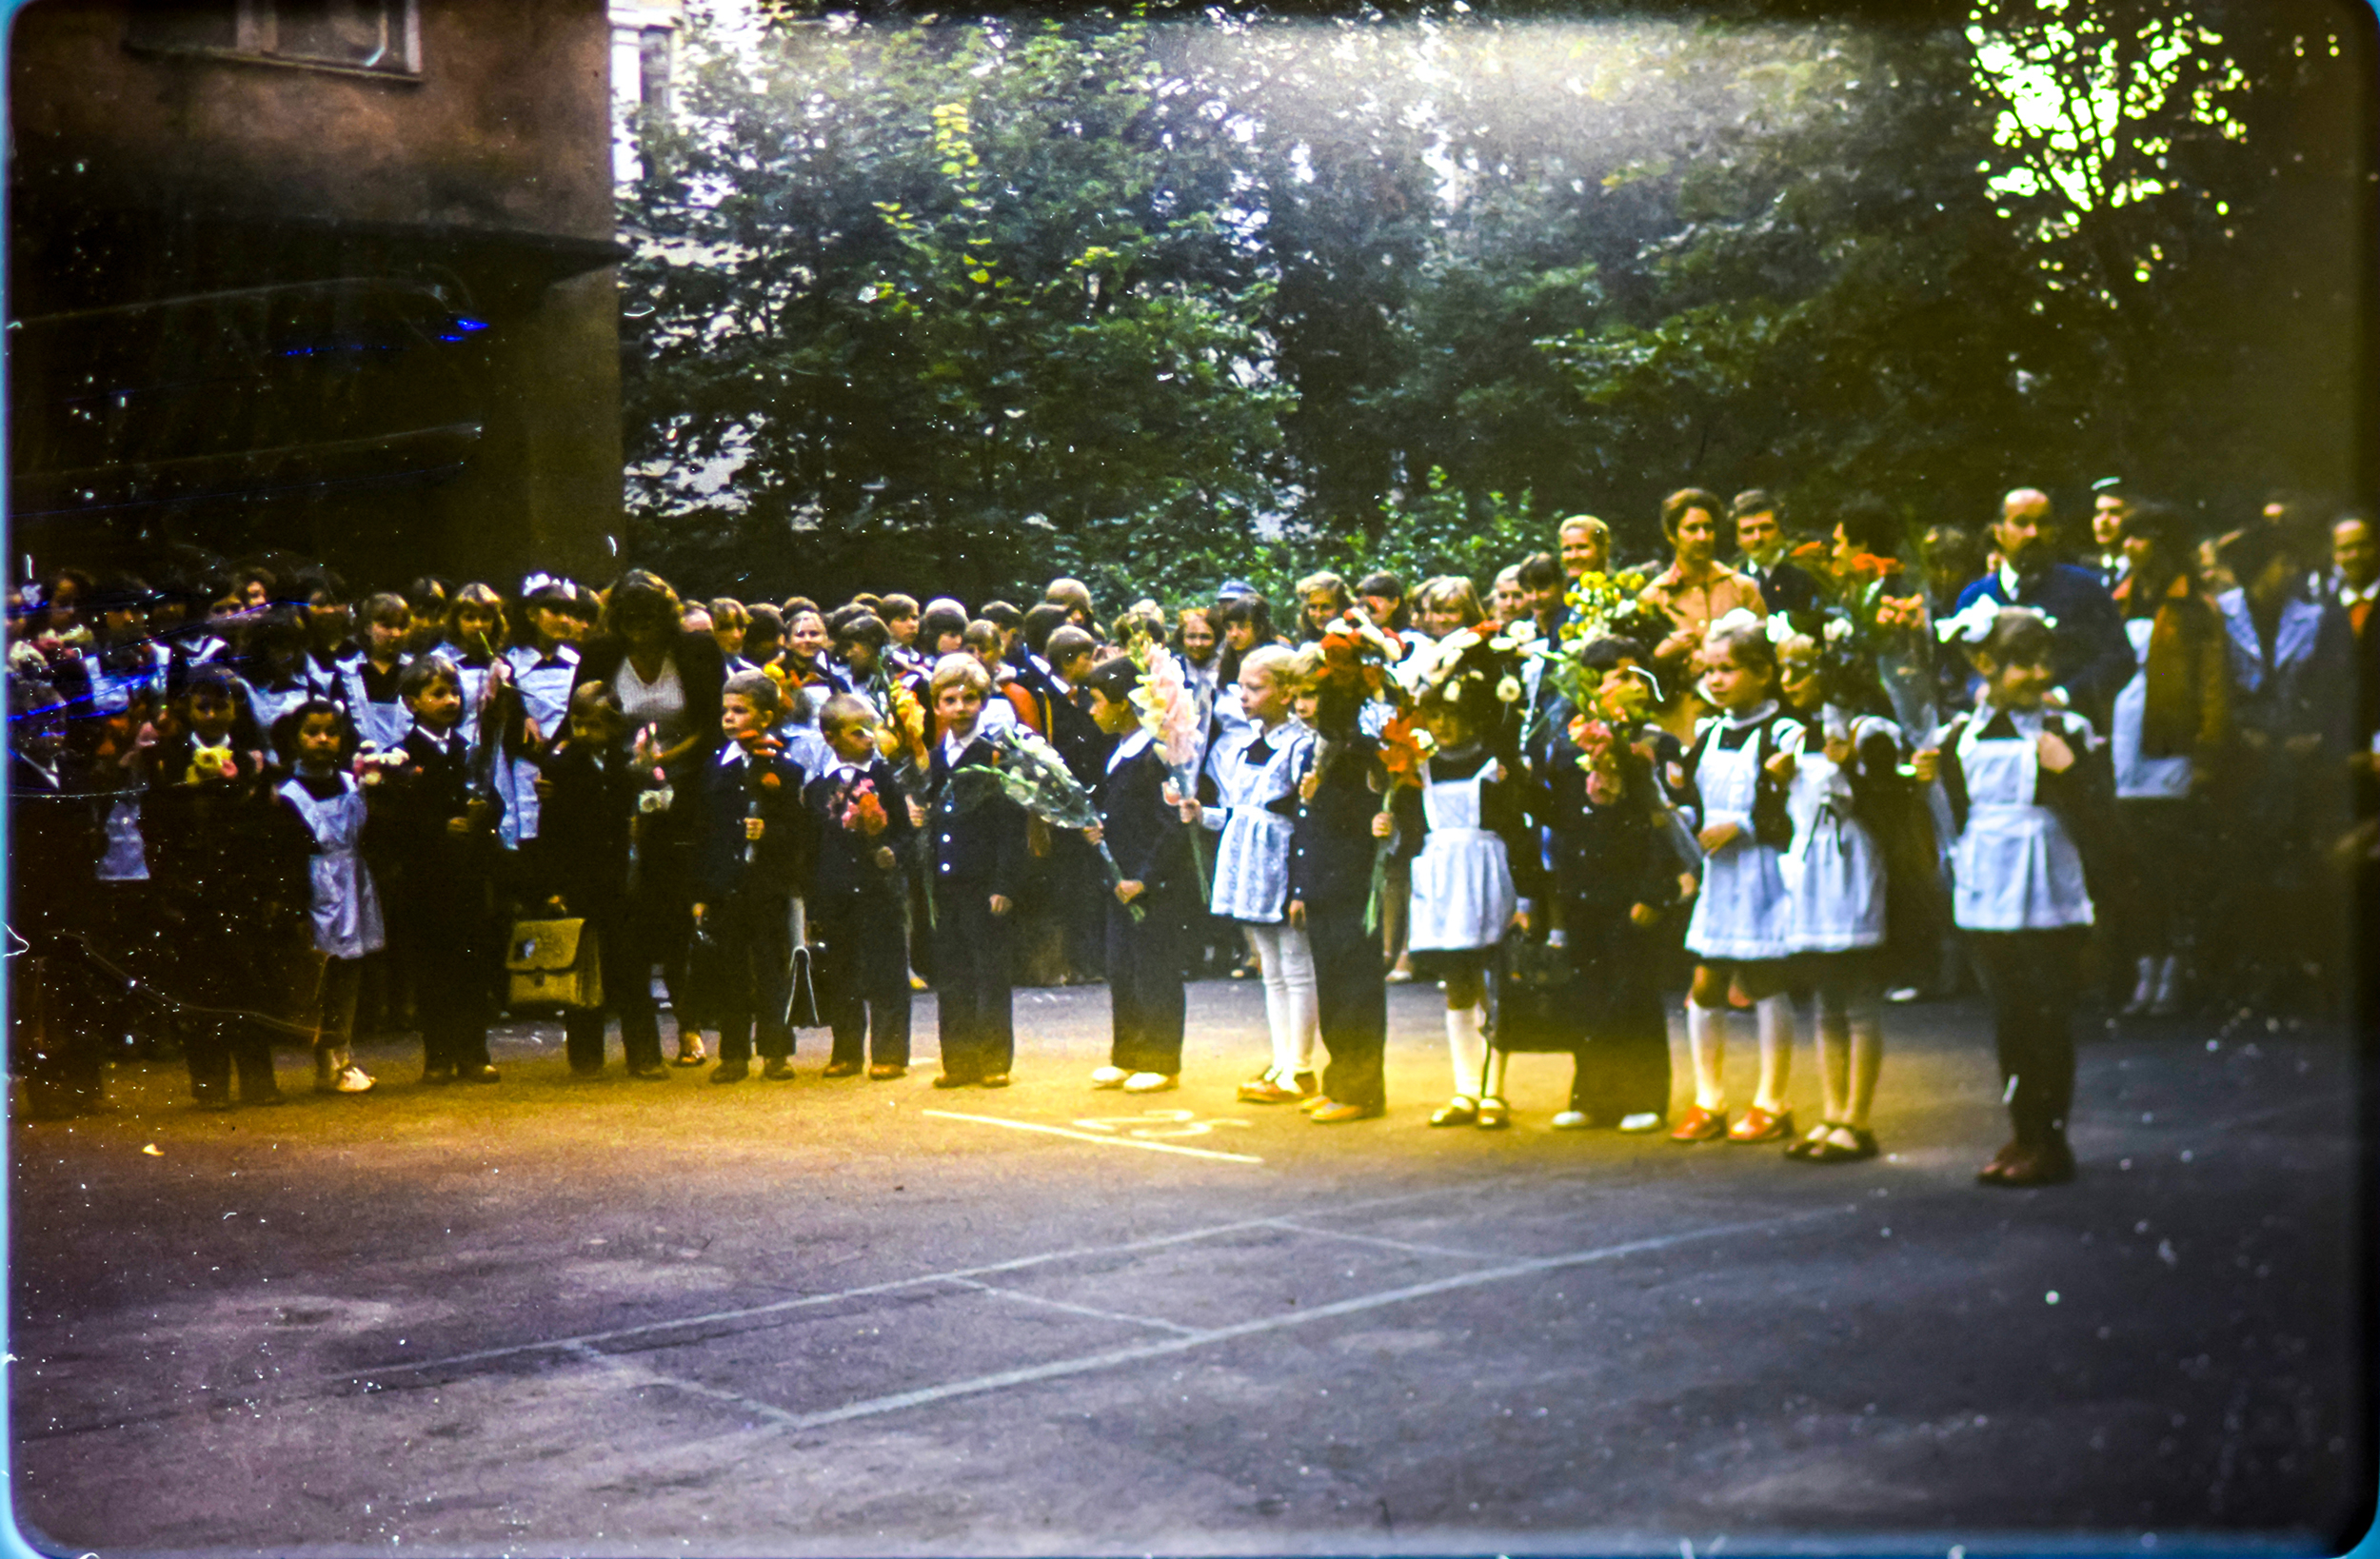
x=1254, y=769
x=1462, y=830
x=1740, y=933
x=859, y=893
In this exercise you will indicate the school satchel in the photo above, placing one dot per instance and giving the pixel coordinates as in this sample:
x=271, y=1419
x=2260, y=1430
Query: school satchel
x=553, y=963
x=1533, y=998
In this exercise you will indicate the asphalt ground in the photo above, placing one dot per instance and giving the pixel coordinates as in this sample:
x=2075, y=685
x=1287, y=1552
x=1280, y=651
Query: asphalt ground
x=603, y=1316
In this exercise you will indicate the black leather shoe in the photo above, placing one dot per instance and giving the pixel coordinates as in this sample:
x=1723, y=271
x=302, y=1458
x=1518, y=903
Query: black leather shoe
x=951, y=1079
x=778, y=1070
x=732, y=1072
x=650, y=1072
x=840, y=1069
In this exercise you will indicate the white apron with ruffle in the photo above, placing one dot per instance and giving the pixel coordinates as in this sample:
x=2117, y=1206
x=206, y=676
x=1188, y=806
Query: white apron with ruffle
x=1463, y=876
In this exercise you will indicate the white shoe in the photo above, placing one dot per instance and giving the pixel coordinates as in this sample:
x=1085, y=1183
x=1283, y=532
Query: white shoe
x=1571, y=1121
x=1150, y=1082
x=1644, y=1120
x=347, y=1079
x=1109, y=1076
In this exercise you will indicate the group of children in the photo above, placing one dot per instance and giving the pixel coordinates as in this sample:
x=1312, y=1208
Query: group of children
x=417, y=785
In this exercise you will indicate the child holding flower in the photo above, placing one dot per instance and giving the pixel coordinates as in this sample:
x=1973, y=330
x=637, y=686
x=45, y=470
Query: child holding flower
x=1741, y=932
x=747, y=868
x=1146, y=911
x=858, y=894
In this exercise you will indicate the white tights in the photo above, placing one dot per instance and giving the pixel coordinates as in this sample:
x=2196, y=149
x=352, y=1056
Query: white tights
x=1287, y=958
x=1706, y=1035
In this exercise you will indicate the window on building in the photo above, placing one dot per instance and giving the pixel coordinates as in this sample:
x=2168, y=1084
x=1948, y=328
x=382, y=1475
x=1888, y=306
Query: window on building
x=379, y=36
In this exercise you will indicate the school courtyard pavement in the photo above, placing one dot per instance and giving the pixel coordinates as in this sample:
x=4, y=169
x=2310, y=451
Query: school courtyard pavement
x=596, y=1318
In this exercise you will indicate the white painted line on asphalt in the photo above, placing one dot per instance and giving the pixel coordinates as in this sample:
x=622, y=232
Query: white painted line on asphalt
x=1382, y=1239
x=865, y=1290
x=1093, y=1136
x=1084, y=1364
x=1023, y=1297
x=636, y=1372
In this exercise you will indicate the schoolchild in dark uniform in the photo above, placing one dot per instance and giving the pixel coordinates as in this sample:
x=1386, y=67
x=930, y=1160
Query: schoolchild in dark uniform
x=54, y=850
x=1330, y=852
x=1615, y=878
x=220, y=883
x=975, y=852
x=749, y=861
x=858, y=894
x=1146, y=834
x=440, y=870
x=2029, y=788
x=581, y=859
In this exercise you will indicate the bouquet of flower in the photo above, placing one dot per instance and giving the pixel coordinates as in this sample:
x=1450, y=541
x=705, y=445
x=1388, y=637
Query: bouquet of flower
x=863, y=811
x=1404, y=747
x=1867, y=633
x=1030, y=773
x=903, y=739
x=1171, y=711
x=1598, y=602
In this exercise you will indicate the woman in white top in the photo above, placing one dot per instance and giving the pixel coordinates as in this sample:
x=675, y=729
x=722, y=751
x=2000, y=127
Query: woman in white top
x=1255, y=770
x=2023, y=784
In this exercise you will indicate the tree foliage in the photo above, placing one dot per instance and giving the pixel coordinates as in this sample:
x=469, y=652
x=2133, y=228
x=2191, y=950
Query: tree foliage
x=965, y=303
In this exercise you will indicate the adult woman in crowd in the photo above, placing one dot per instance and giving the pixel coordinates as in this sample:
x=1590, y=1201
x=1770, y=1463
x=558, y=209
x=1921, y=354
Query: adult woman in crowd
x=2171, y=724
x=666, y=680
x=1694, y=592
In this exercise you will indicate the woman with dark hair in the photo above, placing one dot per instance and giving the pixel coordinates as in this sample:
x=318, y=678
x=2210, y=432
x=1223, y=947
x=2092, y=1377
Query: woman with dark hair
x=1694, y=592
x=667, y=681
x=2170, y=726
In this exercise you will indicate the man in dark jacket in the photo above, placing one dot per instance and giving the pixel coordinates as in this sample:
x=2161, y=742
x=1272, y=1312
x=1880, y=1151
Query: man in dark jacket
x=748, y=856
x=1761, y=534
x=1147, y=911
x=2094, y=660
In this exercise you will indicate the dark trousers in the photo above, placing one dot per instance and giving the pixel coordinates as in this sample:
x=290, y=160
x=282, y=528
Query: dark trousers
x=1080, y=884
x=221, y=973
x=979, y=1037
x=2032, y=977
x=743, y=975
x=1623, y=1062
x=55, y=1006
x=1351, y=1003
x=863, y=977
x=450, y=1000
x=627, y=991
x=1144, y=998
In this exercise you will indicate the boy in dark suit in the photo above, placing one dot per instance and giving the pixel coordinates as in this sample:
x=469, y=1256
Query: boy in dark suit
x=1331, y=851
x=440, y=864
x=1146, y=836
x=858, y=892
x=975, y=852
x=748, y=859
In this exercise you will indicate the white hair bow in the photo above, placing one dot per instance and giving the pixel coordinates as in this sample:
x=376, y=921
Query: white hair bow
x=1971, y=624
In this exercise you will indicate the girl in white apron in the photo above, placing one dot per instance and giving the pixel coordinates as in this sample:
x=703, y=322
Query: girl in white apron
x=368, y=678
x=2020, y=779
x=1835, y=880
x=543, y=670
x=1466, y=815
x=346, y=904
x=1255, y=769
x=1741, y=932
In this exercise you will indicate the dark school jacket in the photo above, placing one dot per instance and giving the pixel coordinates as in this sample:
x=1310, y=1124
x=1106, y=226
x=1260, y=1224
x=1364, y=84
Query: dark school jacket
x=733, y=785
x=842, y=863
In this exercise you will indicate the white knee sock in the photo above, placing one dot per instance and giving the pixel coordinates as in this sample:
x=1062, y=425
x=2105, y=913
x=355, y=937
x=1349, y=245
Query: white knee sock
x=1776, y=1052
x=1467, y=1046
x=1706, y=1035
x=1297, y=956
x=1280, y=1014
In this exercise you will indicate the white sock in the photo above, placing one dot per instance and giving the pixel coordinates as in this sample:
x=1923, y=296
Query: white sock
x=1706, y=1035
x=1776, y=1052
x=1467, y=1047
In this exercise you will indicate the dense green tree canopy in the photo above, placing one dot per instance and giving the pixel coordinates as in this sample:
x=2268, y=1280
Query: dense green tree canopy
x=963, y=303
